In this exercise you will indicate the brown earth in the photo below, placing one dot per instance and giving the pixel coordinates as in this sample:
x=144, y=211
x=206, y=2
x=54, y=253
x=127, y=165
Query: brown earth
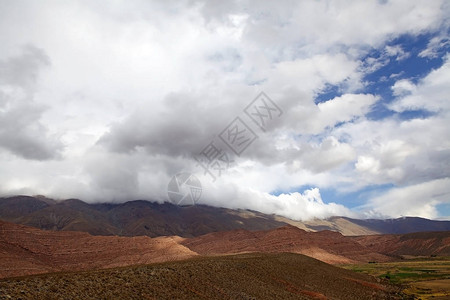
x=415, y=244
x=246, y=276
x=328, y=246
x=26, y=250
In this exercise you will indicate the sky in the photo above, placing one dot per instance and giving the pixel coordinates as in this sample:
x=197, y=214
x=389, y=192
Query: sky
x=305, y=109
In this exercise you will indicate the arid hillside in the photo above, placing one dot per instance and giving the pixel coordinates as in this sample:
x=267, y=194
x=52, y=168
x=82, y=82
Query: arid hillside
x=245, y=276
x=26, y=250
x=420, y=243
x=328, y=246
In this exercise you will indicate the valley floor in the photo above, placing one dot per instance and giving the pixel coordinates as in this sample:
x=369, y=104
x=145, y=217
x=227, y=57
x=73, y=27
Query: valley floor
x=422, y=277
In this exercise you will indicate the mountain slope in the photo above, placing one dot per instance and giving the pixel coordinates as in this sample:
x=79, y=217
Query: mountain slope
x=18, y=206
x=421, y=243
x=135, y=218
x=26, y=250
x=248, y=276
x=328, y=246
x=402, y=225
x=346, y=226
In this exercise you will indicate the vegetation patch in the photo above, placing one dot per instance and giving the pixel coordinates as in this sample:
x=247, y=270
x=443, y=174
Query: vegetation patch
x=425, y=278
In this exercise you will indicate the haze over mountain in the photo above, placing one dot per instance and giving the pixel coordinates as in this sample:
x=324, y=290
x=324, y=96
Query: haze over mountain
x=153, y=219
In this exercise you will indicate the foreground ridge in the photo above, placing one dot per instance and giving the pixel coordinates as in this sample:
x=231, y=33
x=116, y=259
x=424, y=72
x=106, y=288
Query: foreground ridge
x=245, y=276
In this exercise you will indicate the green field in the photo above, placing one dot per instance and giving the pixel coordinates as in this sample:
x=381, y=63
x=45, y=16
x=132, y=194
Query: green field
x=425, y=278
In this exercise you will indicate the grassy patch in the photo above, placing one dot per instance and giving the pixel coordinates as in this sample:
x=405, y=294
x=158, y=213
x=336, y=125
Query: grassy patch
x=426, y=278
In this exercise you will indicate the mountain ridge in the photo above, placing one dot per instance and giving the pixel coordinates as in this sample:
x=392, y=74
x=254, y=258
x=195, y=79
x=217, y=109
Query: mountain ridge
x=26, y=250
x=242, y=276
x=141, y=217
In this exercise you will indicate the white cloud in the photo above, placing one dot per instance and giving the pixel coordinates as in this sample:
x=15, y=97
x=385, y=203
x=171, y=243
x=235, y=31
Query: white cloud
x=435, y=45
x=396, y=51
x=405, y=152
x=345, y=108
x=403, y=87
x=298, y=206
x=135, y=88
x=415, y=200
x=432, y=92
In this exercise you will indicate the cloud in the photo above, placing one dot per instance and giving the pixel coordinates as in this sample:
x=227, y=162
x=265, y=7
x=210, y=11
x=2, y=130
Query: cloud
x=403, y=87
x=405, y=152
x=435, y=46
x=135, y=89
x=307, y=205
x=178, y=128
x=21, y=130
x=345, y=108
x=396, y=51
x=434, y=86
x=298, y=206
x=415, y=200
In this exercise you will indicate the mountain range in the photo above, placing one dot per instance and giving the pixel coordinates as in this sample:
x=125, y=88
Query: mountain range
x=27, y=250
x=141, y=246
x=136, y=218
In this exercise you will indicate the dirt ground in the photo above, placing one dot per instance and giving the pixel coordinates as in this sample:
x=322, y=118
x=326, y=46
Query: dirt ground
x=244, y=276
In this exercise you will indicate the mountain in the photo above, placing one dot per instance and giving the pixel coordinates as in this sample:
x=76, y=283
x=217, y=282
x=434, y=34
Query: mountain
x=18, y=206
x=26, y=250
x=135, y=218
x=346, y=226
x=246, y=276
x=414, y=244
x=328, y=246
x=403, y=225
x=356, y=227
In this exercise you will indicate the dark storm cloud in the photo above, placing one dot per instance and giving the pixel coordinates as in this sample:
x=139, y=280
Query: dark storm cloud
x=21, y=130
x=22, y=71
x=182, y=128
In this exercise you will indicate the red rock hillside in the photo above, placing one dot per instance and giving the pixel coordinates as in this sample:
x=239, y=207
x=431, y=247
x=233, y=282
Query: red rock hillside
x=26, y=250
x=420, y=243
x=328, y=246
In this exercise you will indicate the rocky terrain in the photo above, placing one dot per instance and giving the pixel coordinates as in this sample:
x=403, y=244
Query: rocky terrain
x=245, y=276
x=26, y=250
x=328, y=246
x=414, y=244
